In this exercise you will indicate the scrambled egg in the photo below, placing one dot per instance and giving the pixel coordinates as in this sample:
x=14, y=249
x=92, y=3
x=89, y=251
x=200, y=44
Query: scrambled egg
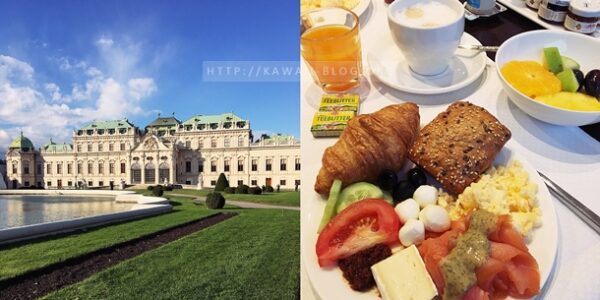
x=312, y=4
x=501, y=190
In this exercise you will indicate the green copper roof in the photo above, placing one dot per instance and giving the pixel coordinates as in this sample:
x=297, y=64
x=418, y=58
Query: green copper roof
x=164, y=122
x=278, y=139
x=21, y=142
x=211, y=119
x=110, y=124
x=54, y=147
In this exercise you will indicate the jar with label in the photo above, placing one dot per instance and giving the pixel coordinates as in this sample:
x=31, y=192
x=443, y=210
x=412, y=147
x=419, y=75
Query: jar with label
x=583, y=16
x=553, y=11
x=533, y=4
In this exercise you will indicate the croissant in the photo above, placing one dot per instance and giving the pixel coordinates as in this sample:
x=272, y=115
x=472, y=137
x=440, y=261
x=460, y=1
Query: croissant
x=369, y=144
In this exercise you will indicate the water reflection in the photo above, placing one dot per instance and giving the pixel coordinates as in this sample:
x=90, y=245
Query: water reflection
x=19, y=210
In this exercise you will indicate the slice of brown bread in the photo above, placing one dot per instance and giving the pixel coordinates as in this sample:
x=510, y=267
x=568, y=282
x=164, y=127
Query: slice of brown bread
x=459, y=145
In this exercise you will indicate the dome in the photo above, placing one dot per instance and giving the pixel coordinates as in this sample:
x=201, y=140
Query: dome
x=21, y=142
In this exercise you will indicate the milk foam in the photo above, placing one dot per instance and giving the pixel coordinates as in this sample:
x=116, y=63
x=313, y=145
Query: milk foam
x=426, y=14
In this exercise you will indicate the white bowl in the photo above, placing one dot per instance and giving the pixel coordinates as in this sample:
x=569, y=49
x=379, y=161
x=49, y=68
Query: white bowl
x=529, y=46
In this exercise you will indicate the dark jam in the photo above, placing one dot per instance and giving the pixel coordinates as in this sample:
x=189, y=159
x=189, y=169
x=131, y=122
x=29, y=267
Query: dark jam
x=553, y=11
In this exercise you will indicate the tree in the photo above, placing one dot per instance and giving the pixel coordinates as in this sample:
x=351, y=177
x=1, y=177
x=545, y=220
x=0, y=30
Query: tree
x=222, y=183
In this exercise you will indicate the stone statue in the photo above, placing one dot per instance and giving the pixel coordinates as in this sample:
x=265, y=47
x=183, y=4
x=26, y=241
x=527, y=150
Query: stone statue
x=199, y=181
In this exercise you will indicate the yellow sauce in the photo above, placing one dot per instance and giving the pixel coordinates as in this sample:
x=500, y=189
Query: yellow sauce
x=471, y=251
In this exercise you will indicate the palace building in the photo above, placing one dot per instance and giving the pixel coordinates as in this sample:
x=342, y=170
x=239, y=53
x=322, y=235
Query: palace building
x=167, y=151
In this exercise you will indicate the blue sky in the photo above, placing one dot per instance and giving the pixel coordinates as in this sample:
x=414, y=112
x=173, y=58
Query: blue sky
x=64, y=63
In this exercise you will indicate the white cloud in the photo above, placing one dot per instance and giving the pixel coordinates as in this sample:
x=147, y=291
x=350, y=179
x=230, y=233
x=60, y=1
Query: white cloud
x=141, y=87
x=104, y=42
x=12, y=68
x=54, y=91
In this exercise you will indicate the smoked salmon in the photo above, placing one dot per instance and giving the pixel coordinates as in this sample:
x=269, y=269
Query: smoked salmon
x=509, y=270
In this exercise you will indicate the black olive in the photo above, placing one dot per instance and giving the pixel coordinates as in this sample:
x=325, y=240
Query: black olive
x=402, y=191
x=387, y=180
x=592, y=83
x=579, y=76
x=417, y=177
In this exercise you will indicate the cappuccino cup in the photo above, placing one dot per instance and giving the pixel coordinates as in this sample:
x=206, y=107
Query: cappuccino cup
x=427, y=32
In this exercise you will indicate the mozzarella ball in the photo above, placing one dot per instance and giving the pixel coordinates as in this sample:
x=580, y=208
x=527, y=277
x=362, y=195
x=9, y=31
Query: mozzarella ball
x=413, y=232
x=425, y=195
x=407, y=209
x=435, y=218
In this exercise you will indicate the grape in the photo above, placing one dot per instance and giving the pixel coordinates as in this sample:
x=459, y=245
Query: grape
x=402, y=191
x=579, y=76
x=417, y=177
x=387, y=180
x=592, y=83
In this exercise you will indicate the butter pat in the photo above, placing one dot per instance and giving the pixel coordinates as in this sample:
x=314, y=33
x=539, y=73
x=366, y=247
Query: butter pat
x=330, y=123
x=347, y=102
x=403, y=276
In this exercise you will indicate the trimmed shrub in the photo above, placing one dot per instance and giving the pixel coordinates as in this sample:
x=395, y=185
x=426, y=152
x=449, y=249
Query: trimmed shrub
x=157, y=191
x=268, y=189
x=168, y=188
x=229, y=190
x=150, y=187
x=242, y=189
x=222, y=183
x=215, y=200
x=254, y=190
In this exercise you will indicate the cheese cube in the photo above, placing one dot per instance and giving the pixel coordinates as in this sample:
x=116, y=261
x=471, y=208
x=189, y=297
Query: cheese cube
x=403, y=276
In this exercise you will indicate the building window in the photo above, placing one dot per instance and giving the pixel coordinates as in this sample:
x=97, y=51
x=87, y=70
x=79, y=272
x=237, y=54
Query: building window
x=100, y=147
x=282, y=182
x=200, y=144
x=69, y=168
x=78, y=148
x=213, y=182
x=26, y=183
x=240, y=182
x=122, y=168
x=69, y=183
x=226, y=142
x=111, y=168
x=38, y=169
x=90, y=168
x=268, y=164
x=49, y=183
x=297, y=182
x=213, y=143
x=241, y=165
x=200, y=167
x=240, y=141
x=213, y=166
x=100, y=183
x=254, y=164
x=26, y=169
x=188, y=144
x=48, y=169
x=90, y=183
x=226, y=165
x=59, y=169
x=89, y=147
x=122, y=146
x=188, y=166
x=79, y=168
x=14, y=168
x=100, y=168
x=283, y=164
x=111, y=147
x=253, y=182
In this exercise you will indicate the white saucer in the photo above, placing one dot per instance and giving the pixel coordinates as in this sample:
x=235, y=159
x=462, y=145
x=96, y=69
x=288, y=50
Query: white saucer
x=388, y=64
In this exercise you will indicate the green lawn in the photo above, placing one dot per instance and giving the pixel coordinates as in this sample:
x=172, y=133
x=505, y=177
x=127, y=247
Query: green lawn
x=288, y=198
x=252, y=256
x=20, y=258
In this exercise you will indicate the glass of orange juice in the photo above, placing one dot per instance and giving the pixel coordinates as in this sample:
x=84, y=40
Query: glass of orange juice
x=330, y=44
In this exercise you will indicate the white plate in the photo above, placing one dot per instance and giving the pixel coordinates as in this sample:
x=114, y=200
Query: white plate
x=519, y=7
x=330, y=284
x=388, y=64
x=361, y=7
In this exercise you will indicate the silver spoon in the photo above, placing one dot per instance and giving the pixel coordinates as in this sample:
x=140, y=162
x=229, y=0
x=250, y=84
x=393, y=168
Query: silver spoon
x=479, y=48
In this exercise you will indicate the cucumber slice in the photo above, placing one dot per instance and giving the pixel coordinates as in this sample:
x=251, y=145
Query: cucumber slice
x=329, y=211
x=553, y=59
x=569, y=63
x=568, y=81
x=387, y=196
x=356, y=192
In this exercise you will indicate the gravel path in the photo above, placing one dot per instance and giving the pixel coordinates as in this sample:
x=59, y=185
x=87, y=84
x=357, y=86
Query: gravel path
x=244, y=204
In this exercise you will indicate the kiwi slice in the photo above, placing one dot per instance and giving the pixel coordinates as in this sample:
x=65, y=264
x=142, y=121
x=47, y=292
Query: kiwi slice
x=569, y=63
x=568, y=80
x=356, y=192
x=553, y=60
x=329, y=211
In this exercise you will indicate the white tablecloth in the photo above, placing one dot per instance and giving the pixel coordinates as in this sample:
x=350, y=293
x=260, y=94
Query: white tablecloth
x=567, y=155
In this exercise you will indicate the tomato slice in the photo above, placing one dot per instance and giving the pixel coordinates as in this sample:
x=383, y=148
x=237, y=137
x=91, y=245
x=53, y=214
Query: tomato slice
x=360, y=226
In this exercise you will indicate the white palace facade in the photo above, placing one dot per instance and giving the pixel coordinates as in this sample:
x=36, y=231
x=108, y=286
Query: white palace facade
x=192, y=152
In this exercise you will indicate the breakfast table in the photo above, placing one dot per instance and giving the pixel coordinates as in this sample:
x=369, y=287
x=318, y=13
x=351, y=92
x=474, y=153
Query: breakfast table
x=569, y=156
